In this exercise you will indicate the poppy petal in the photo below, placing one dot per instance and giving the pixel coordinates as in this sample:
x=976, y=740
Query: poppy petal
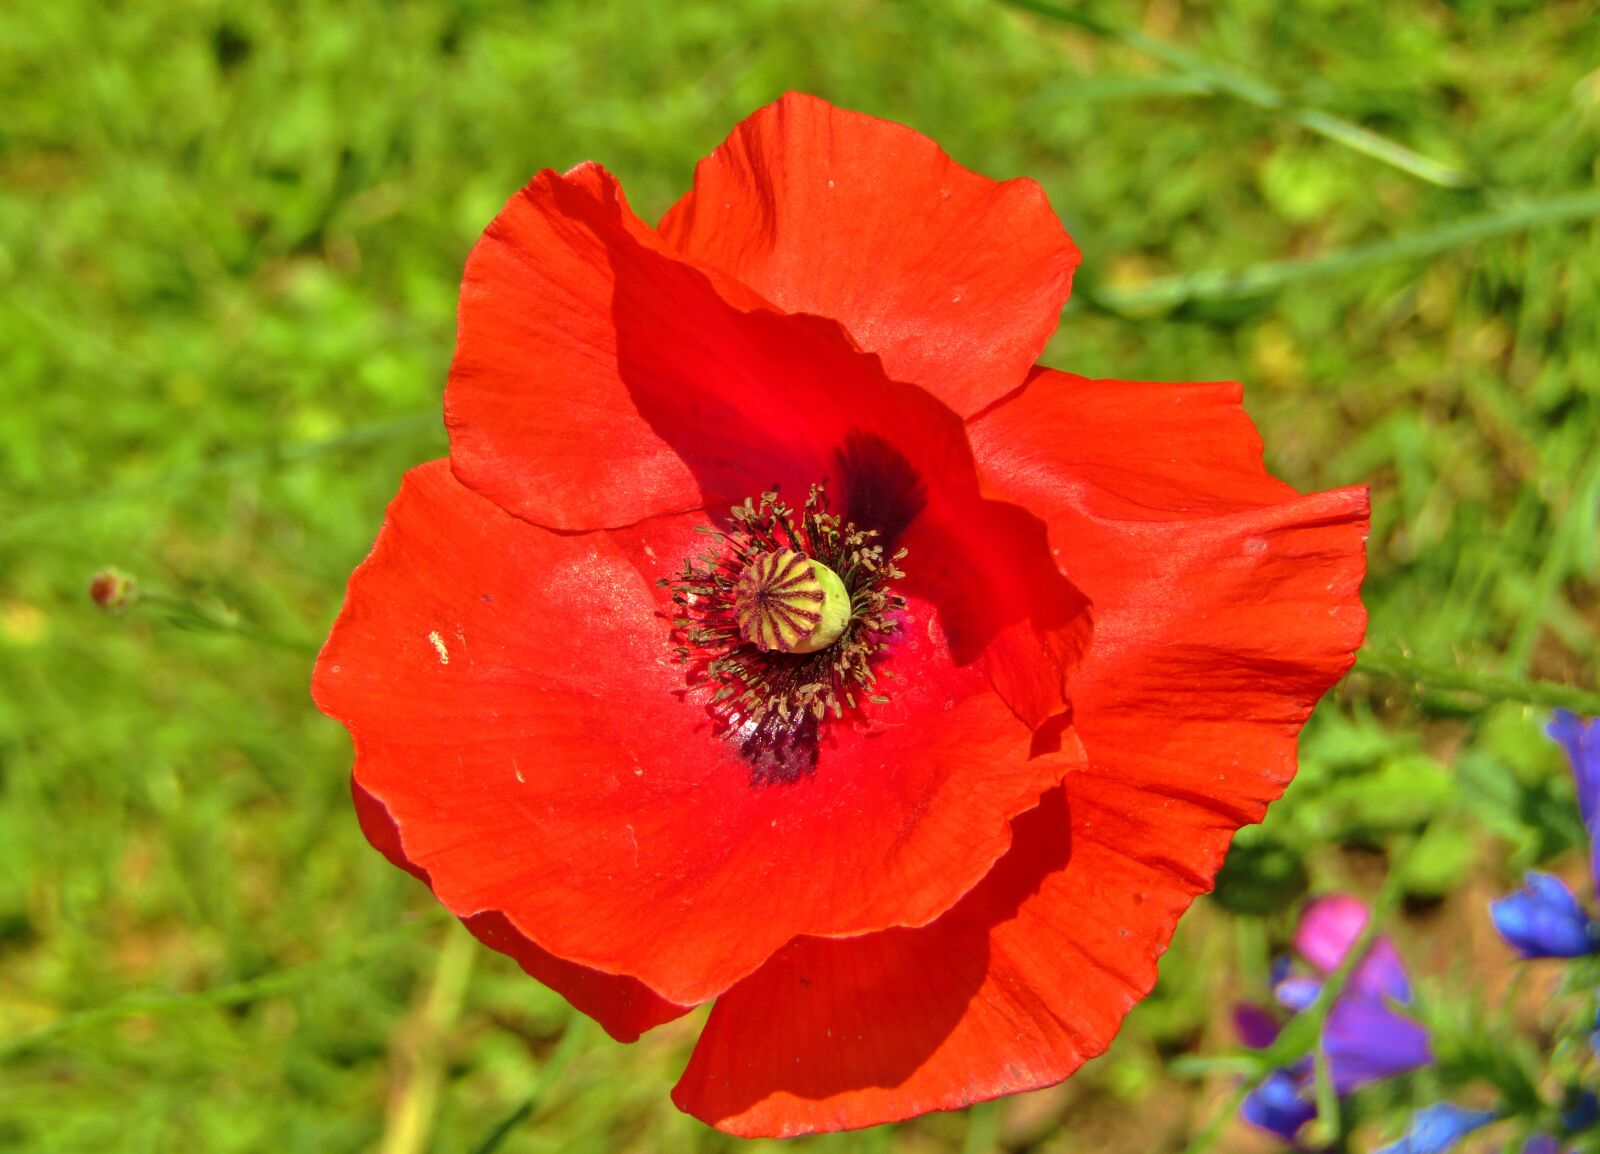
x=968, y=274
x=1126, y=450
x=623, y=1006
x=1225, y=606
x=1223, y=601
x=599, y=380
x=741, y=399
x=560, y=775
x=540, y=419
x=1017, y=985
x=1029, y=976
x=987, y=565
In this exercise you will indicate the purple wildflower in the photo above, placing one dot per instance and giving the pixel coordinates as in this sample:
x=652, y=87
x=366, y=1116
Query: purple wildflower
x=1364, y=1038
x=1581, y=739
x=1544, y=919
x=1281, y=1104
x=1437, y=1128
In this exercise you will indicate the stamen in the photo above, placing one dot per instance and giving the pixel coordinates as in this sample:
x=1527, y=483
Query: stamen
x=782, y=621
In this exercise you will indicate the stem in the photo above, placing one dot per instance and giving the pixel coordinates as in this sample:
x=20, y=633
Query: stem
x=1207, y=1137
x=572, y=1039
x=1172, y=291
x=414, y=1105
x=983, y=1129
x=188, y=615
x=1329, y=1118
x=156, y=1001
x=1427, y=676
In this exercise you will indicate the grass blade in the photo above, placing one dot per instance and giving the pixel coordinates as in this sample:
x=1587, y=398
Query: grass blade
x=230, y=994
x=1170, y=292
x=572, y=1040
x=1261, y=95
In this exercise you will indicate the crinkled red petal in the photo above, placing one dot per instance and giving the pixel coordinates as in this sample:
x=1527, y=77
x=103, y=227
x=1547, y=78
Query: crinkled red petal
x=1124, y=451
x=623, y=1006
x=600, y=380
x=964, y=276
x=740, y=399
x=515, y=707
x=988, y=566
x=1225, y=606
x=540, y=418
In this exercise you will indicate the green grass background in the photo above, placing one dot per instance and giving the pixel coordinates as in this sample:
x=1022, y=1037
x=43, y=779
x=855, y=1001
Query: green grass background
x=230, y=241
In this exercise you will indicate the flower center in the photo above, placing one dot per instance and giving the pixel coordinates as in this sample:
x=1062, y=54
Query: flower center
x=782, y=620
x=788, y=602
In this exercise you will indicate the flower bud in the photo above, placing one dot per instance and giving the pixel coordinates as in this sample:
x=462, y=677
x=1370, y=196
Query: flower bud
x=112, y=590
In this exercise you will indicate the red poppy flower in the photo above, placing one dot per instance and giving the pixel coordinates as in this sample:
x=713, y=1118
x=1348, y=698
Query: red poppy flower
x=779, y=635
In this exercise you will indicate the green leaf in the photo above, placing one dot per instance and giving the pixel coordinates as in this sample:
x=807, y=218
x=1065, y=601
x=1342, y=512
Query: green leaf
x=1405, y=792
x=1440, y=860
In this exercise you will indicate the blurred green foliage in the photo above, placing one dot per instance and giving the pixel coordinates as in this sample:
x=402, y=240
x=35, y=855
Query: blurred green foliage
x=230, y=240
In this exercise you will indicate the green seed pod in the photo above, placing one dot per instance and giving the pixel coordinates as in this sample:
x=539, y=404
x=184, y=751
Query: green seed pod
x=788, y=602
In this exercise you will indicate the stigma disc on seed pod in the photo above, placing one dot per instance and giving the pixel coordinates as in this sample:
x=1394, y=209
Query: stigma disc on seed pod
x=790, y=603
